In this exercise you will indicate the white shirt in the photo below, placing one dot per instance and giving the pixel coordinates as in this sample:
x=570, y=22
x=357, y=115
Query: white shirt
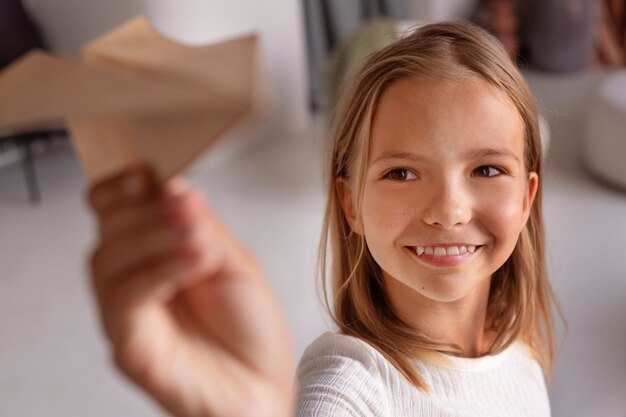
x=342, y=376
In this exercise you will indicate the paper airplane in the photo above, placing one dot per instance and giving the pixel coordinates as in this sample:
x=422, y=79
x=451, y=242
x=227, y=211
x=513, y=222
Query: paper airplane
x=135, y=97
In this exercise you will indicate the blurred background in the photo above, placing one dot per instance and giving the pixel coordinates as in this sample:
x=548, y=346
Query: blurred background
x=265, y=179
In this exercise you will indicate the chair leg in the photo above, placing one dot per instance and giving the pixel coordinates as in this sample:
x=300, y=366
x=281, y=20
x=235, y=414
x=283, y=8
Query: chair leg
x=29, y=172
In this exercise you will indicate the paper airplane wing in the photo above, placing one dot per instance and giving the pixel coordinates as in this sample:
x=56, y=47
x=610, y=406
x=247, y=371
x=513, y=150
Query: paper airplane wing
x=227, y=69
x=137, y=98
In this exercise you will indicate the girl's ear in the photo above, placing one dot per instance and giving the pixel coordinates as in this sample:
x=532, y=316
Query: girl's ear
x=344, y=192
x=531, y=192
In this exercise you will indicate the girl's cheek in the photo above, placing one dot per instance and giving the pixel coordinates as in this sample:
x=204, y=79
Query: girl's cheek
x=502, y=210
x=385, y=211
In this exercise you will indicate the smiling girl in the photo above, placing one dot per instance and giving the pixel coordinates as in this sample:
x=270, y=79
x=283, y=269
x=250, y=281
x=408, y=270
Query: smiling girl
x=439, y=288
x=432, y=251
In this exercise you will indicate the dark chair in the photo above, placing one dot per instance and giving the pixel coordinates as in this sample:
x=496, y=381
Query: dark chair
x=19, y=35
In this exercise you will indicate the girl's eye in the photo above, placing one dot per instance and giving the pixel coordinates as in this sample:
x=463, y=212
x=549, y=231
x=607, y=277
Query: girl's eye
x=400, y=174
x=487, y=171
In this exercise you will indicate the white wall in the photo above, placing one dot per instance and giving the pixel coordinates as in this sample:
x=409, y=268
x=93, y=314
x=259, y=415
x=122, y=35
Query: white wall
x=67, y=24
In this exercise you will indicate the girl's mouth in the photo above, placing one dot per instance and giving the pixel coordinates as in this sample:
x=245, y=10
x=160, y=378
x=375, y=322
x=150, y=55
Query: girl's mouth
x=450, y=255
x=445, y=251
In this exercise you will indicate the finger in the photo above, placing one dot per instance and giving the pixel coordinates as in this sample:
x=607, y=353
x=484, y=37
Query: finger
x=168, y=208
x=130, y=248
x=130, y=187
x=159, y=279
x=117, y=256
x=119, y=298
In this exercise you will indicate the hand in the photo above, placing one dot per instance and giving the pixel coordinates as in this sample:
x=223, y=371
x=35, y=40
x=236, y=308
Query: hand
x=186, y=308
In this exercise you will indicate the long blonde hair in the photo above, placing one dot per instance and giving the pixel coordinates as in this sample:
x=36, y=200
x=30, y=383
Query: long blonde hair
x=521, y=297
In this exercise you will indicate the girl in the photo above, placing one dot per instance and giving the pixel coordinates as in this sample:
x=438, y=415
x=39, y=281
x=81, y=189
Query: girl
x=433, y=221
x=437, y=273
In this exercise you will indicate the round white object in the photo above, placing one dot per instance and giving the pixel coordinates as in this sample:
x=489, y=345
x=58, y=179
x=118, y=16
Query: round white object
x=604, y=141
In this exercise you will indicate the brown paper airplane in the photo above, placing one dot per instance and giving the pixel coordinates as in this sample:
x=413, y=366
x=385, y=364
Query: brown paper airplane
x=136, y=97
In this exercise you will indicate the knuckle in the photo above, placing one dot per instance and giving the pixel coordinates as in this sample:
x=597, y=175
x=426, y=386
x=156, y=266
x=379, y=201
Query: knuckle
x=124, y=363
x=95, y=197
x=192, y=251
x=136, y=183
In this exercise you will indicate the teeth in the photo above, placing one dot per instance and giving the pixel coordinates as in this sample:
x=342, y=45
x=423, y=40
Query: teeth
x=441, y=251
x=453, y=250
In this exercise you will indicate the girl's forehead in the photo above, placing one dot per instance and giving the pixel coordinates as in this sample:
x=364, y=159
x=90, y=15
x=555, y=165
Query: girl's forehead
x=445, y=117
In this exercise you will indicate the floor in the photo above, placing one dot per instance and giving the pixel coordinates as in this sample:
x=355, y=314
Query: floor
x=270, y=191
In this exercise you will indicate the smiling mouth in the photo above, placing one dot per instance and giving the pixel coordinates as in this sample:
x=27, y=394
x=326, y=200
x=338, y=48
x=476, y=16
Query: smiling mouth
x=446, y=257
x=445, y=251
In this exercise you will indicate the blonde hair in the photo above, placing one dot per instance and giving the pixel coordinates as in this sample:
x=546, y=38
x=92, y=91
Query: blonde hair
x=521, y=297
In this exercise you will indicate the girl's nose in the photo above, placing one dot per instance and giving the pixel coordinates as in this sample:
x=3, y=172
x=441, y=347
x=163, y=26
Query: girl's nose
x=449, y=206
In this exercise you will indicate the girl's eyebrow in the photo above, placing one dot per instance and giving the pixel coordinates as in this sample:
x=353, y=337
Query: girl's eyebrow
x=502, y=152
x=400, y=155
x=481, y=153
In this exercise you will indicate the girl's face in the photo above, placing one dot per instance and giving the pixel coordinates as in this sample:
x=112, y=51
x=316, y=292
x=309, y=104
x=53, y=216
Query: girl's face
x=446, y=192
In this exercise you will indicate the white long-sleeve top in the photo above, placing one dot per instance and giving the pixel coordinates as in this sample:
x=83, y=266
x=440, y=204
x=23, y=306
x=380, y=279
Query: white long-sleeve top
x=343, y=376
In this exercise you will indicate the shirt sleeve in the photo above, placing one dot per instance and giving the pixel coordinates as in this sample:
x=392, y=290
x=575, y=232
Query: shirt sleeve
x=339, y=378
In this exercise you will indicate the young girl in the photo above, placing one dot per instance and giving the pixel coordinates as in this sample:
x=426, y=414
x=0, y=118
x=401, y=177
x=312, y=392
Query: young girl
x=436, y=263
x=437, y=272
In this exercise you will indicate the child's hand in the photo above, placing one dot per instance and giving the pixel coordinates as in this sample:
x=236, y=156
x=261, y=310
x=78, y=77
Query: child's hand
x=188, y=313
